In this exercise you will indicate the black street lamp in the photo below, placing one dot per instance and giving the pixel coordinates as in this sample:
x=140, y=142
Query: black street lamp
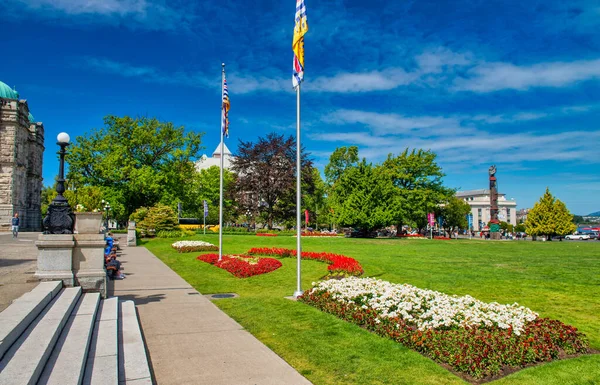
x=59, y=218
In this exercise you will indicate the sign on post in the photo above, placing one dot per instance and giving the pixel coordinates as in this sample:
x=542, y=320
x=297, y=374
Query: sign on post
x=431, y=219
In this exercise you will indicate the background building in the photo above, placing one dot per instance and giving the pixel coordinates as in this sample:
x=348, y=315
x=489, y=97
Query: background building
x=479, y=200
x=21, y=151
x=205, y=162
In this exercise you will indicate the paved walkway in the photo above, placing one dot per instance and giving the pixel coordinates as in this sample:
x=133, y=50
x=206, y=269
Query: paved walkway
x=191, y=341
x=18, y=262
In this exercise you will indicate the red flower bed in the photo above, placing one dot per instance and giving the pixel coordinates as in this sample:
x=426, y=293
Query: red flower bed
x=478, y=351
x=442, y=238
x=337, y=263
x=241, y=266
x=410, y=236
x=265, y=235
x=315, y=234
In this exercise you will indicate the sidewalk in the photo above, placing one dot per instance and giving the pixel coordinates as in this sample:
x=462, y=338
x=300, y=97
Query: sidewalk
x=18, y=262
x=191, y=341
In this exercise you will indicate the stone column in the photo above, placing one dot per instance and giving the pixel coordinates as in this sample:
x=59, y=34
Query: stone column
x=55, y=258
x=88, y=263
x=131, y=238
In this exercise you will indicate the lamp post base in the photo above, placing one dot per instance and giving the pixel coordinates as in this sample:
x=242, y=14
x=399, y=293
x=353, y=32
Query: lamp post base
x=298, y=293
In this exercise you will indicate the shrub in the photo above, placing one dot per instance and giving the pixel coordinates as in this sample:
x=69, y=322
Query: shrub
x=158, y=218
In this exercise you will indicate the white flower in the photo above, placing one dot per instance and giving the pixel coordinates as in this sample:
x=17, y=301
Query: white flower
x=426, y=309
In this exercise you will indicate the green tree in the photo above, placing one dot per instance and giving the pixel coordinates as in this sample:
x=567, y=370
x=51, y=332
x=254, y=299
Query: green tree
x=506, y=226
x=137, y=162
x=578, y=219
x=548, y=217
x=563, y=219
x=454, y=213
x=208, y=185
x=339, y=161
x=520, y=228
x=315, y=200
x=419, y=188
x=360, y=197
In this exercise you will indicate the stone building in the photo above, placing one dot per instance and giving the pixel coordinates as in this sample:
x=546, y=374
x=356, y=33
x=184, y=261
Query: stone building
x=479, y=200
x=21, y=152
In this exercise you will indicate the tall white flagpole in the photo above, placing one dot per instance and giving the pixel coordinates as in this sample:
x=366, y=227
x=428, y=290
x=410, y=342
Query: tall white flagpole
x=298, y=291
x=221, y=174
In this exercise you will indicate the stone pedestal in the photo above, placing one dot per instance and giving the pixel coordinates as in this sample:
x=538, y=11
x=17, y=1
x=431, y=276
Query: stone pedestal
x=88, y=223
x=131, y=238
x=55, y=258
x=88, y=263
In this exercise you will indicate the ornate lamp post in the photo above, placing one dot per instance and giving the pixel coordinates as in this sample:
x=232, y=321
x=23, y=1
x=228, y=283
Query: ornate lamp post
x=59, y=218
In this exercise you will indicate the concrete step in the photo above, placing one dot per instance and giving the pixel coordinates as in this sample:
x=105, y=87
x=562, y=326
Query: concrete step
x=24, y=361
x=68, y=360
x=21, y=313
x=102, y=363
x=64, y=337
x=133, y=362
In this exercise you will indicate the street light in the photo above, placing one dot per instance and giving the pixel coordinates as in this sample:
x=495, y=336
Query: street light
x=106, y=209
x=59, y=218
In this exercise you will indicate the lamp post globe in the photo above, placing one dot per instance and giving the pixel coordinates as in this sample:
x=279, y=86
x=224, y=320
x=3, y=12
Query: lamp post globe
x=63, y=138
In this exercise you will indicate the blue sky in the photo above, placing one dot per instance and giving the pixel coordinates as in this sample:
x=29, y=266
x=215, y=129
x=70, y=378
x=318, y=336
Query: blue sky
x=515, y=84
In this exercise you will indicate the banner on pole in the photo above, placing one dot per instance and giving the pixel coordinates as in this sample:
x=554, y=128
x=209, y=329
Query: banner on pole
x=205, y=209
x=306, y=217
x=470, y=220
x=431, y=219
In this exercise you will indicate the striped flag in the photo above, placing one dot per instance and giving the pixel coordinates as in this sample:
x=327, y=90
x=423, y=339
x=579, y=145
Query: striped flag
x=225, y=109
x=300, y=28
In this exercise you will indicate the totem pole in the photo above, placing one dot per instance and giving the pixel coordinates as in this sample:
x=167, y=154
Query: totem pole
x=494, y=223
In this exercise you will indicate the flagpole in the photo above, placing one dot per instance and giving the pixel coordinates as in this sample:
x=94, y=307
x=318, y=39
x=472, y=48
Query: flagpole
x=221, y=173
x=298, y=291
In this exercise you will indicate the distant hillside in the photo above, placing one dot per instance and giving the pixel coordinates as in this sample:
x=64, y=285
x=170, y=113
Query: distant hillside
x=596, y=214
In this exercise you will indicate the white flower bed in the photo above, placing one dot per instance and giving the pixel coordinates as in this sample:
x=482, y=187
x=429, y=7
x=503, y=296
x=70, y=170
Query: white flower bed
x=426, y=309
x=186, y=246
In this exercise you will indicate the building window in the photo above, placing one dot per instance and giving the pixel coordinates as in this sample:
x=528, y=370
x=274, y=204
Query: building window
x=508, y=215
x=479, y=213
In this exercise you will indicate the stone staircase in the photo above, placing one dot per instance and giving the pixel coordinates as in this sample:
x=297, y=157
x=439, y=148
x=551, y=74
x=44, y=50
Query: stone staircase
x=62, y=336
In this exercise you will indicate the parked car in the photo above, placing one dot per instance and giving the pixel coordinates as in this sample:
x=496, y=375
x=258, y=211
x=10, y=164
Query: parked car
x=593, y=235
x=578, y=236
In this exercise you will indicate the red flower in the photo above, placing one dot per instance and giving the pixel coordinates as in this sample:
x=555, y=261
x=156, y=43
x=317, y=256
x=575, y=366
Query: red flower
x=337, y=263
x=240, y=265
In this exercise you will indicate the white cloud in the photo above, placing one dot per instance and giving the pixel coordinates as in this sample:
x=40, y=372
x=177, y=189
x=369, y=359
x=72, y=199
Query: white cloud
x=456, y=143
x=133, y=14
x=488, y=77
x=390, y=124
x=362, y=82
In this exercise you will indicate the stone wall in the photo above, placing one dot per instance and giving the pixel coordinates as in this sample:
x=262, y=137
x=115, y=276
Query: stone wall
x=21, y=152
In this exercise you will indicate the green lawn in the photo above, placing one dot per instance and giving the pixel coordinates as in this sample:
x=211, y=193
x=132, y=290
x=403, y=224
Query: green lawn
x=560, y=280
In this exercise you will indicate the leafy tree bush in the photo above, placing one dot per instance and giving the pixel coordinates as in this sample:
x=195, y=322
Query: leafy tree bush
x=138, y=161
x=159, y=218
x=549, y=217
x=507, y=226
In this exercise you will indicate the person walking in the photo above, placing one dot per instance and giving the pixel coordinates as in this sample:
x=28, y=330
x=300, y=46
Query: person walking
x=15, y=225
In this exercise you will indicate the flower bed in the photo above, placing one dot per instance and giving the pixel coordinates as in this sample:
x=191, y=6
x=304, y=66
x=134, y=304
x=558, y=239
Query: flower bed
x=315, y=234
x=338, y=264
x=242, y=266
x=417, y=236
x=266, y=235
x=442, y=238
x=476, y=338
x=187, y=246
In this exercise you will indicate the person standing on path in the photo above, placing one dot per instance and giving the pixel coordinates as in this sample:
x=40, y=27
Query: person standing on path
x=15, y=225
